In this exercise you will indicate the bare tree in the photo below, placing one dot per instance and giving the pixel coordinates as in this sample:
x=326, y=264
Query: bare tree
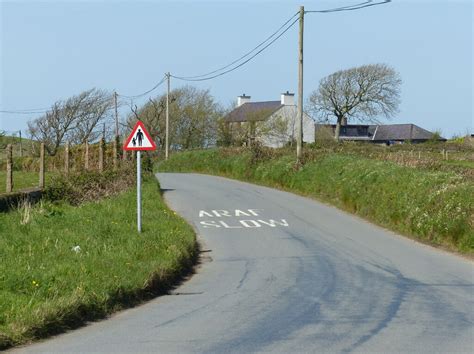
x=52, y=127
x=360, y=93
x=76, y=119
x=152, y=114
x=94, y=107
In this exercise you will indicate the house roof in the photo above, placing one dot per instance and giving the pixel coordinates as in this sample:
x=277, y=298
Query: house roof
x=391, y=132
x=399, y=132
x=253, y=111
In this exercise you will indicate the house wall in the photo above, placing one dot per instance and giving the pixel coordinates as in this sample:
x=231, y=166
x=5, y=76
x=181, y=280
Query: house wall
x=277, y=136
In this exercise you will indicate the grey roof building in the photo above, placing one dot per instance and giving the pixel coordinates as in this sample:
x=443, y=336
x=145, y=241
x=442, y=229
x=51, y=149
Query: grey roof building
x=272, y=123
x=387, y=133
x=255, y=111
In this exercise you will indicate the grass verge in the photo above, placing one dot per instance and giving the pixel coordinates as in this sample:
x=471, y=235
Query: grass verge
x=435, y=207
x=63, y=265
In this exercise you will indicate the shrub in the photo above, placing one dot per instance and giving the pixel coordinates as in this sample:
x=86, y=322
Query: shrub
x=88, y=186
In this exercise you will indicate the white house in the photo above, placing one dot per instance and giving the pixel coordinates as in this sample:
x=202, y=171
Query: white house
x=272, y=123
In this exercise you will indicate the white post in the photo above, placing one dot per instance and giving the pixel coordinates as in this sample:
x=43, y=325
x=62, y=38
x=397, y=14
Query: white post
x=139, y=192
x=167, y=117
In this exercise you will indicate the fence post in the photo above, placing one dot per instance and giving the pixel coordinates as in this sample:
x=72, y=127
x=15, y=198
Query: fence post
x=86, y=155
x=9, y=168
x=115, y=152
x=101, y=155
x=124, y=156
x=66, y=158
x=41, y=167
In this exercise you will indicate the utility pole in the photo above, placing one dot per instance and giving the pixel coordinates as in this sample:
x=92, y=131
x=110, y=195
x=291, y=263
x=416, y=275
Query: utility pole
x=167, y=115
x=299, y=130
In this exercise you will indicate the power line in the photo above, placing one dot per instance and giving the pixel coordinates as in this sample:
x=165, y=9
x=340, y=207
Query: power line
x=246, y=54
x=24, y=111
x=147, y=92
x=219, y=72
x=359, y=6
x=189, y=78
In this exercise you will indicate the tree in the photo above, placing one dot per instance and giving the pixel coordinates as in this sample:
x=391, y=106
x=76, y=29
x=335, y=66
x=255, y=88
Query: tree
x=94, y=109
x=76, y=119
x=360, y=93
x=194, y=118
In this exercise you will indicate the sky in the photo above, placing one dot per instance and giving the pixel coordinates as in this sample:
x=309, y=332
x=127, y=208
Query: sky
x=56, y=49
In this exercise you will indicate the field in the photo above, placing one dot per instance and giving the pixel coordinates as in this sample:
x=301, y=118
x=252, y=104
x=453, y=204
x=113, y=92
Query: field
x=64, y=265
x=22, y=180
x=425, y=198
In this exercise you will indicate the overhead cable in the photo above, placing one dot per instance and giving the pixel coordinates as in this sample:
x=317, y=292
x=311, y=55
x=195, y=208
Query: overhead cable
x=206, y=77
x=147, y=92
x=359, y=6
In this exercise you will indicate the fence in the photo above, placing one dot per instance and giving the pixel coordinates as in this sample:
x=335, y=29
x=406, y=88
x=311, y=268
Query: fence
x=31, y=170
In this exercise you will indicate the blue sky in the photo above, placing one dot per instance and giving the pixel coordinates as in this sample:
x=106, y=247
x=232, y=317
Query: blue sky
x=53, y=50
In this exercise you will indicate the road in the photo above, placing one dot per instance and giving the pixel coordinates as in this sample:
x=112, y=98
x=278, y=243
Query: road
x=283, y=273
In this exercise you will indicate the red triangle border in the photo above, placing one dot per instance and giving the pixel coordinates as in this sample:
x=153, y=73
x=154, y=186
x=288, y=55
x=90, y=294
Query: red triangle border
x=139, y=124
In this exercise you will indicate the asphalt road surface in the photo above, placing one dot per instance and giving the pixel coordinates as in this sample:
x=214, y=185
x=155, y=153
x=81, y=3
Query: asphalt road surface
x=282, y=273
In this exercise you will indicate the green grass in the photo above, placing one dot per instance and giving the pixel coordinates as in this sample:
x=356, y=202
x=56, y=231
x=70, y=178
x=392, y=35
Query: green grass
x=47, y=287
x=433, y=206
x=21, y=180
x=460, y=163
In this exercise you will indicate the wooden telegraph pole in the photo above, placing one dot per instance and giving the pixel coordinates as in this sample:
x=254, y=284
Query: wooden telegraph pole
x=299, y=130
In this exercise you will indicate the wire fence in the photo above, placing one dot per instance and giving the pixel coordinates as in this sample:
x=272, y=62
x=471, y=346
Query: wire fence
x=27, y=164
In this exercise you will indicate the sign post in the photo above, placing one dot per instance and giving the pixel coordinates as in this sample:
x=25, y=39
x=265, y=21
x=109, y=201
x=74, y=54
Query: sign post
x=139, y=192
x=139, y=140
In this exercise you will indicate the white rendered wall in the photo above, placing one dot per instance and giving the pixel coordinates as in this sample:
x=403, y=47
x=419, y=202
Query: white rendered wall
x=289, y=114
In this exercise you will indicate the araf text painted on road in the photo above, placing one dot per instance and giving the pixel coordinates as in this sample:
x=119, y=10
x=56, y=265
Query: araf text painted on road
x=247, y=222
x=237, y=212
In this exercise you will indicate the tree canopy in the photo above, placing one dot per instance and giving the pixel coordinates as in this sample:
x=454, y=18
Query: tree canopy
x=77, y=119
x=193, y=121
x=362, y=93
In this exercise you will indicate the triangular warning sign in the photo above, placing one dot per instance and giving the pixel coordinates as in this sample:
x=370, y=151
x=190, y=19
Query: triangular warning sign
x=139, y=139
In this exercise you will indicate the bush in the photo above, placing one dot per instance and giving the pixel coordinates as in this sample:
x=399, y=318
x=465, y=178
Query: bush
x=80, y=187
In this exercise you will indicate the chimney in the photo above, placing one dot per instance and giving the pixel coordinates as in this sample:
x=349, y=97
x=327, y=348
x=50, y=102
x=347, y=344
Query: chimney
x=288, y=99
x=242, y=99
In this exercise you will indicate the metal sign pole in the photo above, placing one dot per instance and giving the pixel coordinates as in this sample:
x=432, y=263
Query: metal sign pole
x=138, y=140
x=139, y=192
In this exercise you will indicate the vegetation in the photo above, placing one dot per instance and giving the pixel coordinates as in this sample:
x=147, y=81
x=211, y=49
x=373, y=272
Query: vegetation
x=194, y=114
x=86, y=186
x=361, y=93
x=22, y=180
x=63, y=265
x=426, y=202
x=77, y=119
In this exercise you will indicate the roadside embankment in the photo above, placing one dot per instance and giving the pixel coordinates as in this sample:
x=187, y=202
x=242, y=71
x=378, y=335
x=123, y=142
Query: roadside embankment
x=63, y=264
x=435, y=207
